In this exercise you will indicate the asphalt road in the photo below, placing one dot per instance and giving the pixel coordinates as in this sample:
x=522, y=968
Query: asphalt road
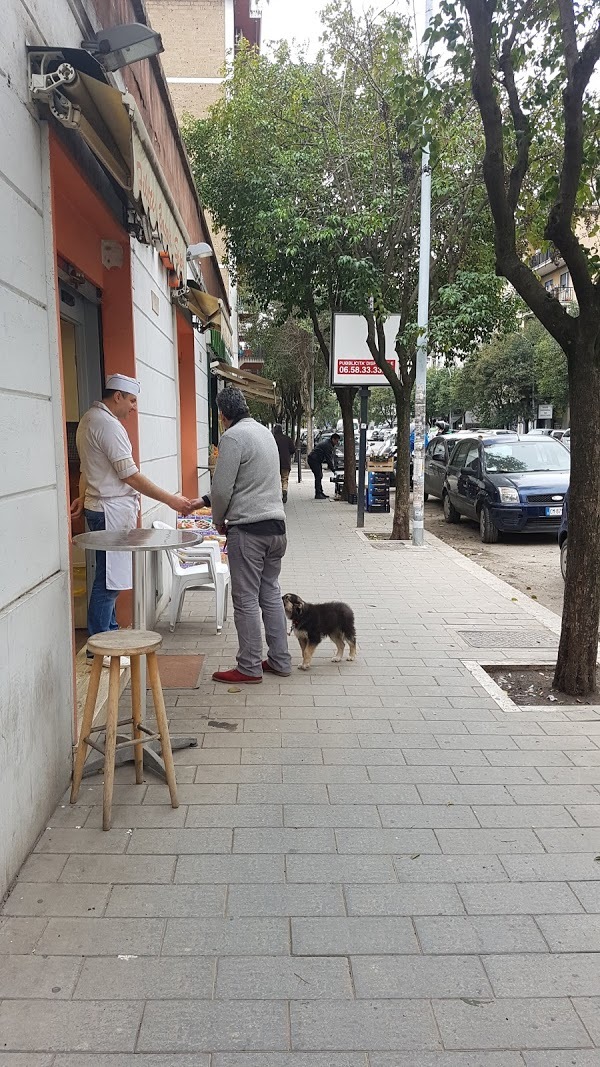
x=530, y=563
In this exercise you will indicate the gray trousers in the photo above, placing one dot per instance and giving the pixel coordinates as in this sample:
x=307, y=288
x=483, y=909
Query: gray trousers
x=255, y=565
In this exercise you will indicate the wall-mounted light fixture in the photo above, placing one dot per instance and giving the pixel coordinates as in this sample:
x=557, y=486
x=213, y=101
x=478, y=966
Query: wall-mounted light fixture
x=199, y=251
x=120, y=46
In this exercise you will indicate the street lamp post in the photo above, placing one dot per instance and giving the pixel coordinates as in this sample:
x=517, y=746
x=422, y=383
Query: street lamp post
x=418, y=535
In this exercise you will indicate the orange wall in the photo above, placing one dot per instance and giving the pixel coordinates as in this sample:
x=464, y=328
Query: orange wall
x=81, y=222
x=187, y=407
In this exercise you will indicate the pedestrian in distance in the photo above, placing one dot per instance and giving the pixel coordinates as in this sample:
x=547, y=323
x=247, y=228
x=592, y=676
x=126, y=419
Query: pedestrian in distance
x=286, y=454
x=247, y=507
x=322, y=454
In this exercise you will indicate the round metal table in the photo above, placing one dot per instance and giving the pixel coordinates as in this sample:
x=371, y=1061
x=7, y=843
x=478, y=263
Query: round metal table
x=139, y=542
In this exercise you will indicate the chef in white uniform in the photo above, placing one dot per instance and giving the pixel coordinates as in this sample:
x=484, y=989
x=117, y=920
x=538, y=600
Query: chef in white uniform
x=109, y=492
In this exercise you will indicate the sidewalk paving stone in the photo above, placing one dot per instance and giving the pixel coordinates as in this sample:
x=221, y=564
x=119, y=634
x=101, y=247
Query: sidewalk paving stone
x=376, y=1024
x=208, y=1026
x=226, y=937
x=358, y=935
x=69, y=1026
x=479, y=934
x=524, y=898
x=525, y=975
x=424, y=976
x=372, y=865
x=513, y=1024
x=56, y=899
x=279, y=978
x=145, y=978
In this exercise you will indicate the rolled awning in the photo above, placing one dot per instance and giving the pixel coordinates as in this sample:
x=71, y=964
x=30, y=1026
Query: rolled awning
x=74, y=87
x=253, y=386
x=98, y=111
x=204, y=306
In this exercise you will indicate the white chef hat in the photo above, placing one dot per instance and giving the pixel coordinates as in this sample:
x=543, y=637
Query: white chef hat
x=123, y=383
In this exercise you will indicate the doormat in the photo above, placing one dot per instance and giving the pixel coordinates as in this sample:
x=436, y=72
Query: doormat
x=180, y=672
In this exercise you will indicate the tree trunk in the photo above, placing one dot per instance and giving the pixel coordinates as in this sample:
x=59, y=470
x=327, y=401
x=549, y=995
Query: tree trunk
x=578, y=649
x=345, y=397
x=401, y=519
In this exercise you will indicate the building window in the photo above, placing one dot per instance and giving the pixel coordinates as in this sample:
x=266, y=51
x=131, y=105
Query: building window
x=565, y=280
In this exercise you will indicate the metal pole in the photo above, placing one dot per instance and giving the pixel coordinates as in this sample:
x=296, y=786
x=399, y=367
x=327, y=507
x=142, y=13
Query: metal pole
x=418, y=536
x=299, y=461
x=362, y=454
x=140, y=618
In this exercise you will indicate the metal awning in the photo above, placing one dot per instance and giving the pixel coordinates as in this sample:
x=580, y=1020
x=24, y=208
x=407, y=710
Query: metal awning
x=75, y=89
x=79, y=97
x=204, y=306
x=252, y=385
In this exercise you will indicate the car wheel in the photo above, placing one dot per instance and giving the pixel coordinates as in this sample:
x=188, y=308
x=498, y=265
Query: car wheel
x=488, y=532
x=450, y=512
x=563, y=559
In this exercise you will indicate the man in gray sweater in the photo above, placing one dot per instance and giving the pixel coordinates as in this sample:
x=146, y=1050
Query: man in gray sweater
x=246, y=504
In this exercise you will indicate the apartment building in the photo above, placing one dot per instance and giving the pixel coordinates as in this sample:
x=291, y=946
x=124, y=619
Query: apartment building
x=552, y=269
x=200, y=38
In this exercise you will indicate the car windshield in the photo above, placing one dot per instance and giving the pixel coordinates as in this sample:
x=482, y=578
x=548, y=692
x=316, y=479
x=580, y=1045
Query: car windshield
x=516, y=457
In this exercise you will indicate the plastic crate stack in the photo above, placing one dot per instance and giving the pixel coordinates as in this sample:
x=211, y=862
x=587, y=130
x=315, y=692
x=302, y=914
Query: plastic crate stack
x=378, y=491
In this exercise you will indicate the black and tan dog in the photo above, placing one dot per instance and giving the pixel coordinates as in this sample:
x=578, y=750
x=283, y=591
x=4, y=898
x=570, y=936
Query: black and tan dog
x=312, y=622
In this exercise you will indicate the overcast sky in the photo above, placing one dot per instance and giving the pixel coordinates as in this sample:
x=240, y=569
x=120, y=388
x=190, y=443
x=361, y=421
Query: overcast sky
x=291, y=19
x=299, y=19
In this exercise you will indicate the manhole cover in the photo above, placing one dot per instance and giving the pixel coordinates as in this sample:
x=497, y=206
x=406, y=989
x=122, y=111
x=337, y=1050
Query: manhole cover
x=508, y=638
x=388, y=546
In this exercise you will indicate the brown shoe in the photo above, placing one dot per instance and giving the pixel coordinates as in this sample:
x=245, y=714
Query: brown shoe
x=268, y=669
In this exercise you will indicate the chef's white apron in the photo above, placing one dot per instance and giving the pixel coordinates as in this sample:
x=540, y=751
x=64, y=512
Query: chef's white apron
x=120, y=514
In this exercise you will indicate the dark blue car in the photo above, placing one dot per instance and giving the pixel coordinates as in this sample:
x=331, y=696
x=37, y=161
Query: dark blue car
x=507, y=484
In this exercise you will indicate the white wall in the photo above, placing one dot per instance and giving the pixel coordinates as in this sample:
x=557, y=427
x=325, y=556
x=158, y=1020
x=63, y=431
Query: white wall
x=155, y=340
x=36, y=680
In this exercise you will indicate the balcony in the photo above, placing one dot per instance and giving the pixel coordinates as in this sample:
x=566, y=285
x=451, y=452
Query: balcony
x=564, y=293
x=551, y=255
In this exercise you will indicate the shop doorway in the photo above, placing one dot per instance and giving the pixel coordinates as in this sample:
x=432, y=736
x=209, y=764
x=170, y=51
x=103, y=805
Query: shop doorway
x=81, y=349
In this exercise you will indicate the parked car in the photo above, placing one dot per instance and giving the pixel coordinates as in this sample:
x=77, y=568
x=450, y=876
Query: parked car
x=507, y=484
x=437, y=455
x=562, y=537
x=566, y=439
x=438, y=452
x=540, y=431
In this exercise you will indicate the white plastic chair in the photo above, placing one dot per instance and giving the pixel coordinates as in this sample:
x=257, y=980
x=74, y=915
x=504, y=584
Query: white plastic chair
x=207, y=572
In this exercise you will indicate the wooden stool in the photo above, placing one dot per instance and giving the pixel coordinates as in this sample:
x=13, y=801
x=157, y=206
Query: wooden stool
x=117, y=643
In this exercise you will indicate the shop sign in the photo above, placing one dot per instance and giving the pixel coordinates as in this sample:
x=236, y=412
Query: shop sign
x=351, y=360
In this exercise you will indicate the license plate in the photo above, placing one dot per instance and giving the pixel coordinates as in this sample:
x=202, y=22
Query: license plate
x=553, y=513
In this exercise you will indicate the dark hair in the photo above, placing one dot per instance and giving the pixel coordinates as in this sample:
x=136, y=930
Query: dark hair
x=278, y=428
x=336, y=435
x=231, y=402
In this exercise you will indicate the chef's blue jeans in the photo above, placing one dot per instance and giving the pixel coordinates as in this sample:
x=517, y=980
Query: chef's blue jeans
x=101, y=608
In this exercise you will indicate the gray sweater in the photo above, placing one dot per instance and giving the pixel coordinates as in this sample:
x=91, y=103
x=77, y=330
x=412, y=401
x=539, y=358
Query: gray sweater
x=246, y=486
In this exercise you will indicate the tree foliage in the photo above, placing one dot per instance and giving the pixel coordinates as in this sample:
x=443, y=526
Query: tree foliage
x=314, y=171
x=504, y=381
x=531, y=66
